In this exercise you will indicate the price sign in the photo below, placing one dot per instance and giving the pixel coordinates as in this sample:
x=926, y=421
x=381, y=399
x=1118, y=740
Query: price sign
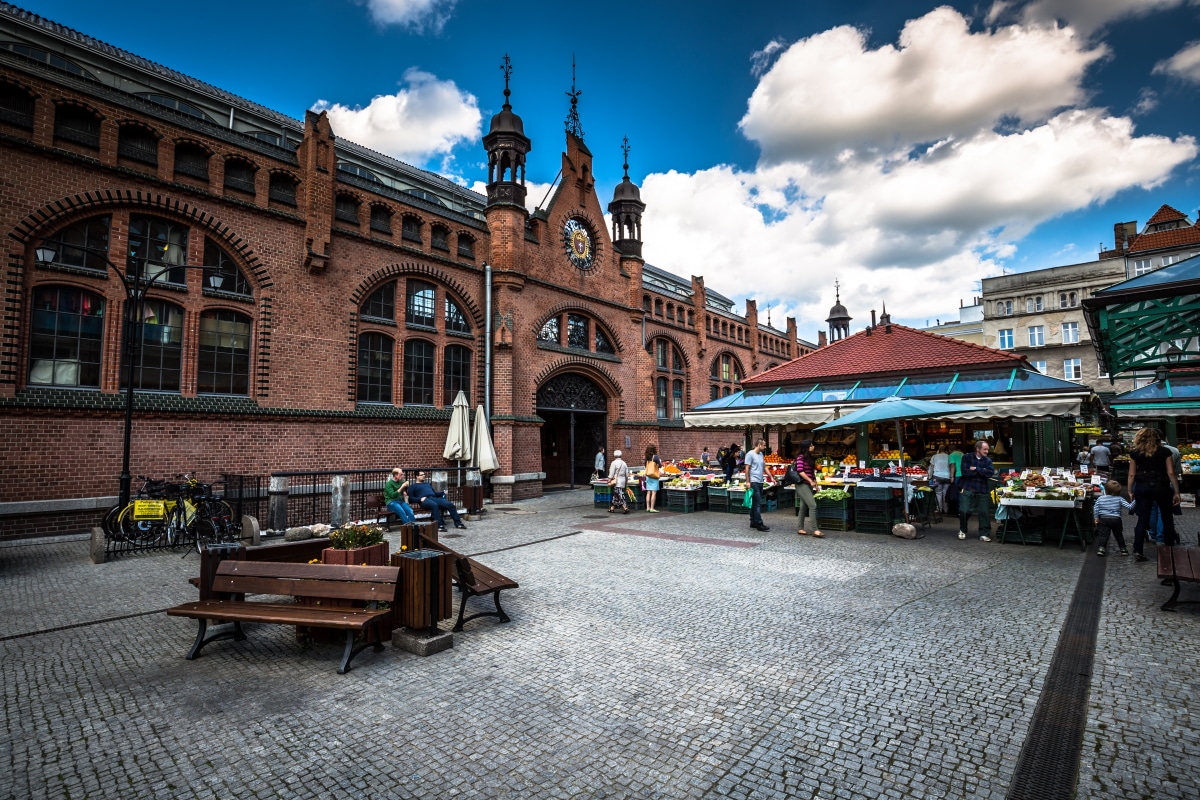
x=1097, y=480
x=846, y=471
x=862, y=465
x=1049, y=483
x=1030, y=493
x=1011, y=483
x=1024, y=474
x=1046, y=471
x=875, y=472
x=1083, y=468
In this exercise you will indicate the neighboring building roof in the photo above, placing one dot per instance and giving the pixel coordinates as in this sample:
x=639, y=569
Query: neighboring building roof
x=1165, y=213
x=1179, y=237
x=903, y=350
x=1179, y=272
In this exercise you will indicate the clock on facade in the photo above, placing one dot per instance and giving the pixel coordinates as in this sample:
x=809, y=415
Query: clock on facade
x=581, y=249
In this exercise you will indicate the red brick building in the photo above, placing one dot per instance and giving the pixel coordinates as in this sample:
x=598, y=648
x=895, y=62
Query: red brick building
x=336, y=300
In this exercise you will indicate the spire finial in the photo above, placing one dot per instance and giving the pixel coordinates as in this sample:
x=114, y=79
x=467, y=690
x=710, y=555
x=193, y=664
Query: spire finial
x=573, y=124
x=506, y=68
x=625, y=150
x=837, y=291
x=768, y=316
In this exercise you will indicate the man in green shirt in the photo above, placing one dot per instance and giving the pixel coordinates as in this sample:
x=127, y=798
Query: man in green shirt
x=393, y=496
x=956, y=457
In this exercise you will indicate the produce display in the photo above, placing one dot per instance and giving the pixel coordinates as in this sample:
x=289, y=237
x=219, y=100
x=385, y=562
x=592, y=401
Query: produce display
x=835, y=495
x=1063, y=486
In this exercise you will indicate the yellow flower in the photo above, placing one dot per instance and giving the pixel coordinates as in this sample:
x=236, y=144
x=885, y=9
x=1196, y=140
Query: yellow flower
x=403, y=548
x=315, y=561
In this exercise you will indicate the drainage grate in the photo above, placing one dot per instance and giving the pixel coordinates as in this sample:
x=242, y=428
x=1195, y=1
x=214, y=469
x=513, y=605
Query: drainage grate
x=1048, y=767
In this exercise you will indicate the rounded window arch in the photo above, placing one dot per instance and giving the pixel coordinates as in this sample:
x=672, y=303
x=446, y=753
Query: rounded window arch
x=577, y=330
x=282, y=188
x=239, y=174
x=221, y=272
x=381, y=304
x=65, y=337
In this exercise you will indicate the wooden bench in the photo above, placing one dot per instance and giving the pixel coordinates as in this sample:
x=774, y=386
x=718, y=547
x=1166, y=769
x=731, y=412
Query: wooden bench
x=300, y=552
x=473, y=580
x=1176, y=564
x=234, y=579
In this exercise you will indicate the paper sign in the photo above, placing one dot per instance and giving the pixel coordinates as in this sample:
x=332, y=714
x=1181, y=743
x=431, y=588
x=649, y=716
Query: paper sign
x=1024, y=474
x=1049, y=483
x=1097, y=480
x=1010, y=483
x=862, y=465
x=1031, y=493
x=875, y=471
x=1046, y=471
x=1083, y=468
x=846, y=471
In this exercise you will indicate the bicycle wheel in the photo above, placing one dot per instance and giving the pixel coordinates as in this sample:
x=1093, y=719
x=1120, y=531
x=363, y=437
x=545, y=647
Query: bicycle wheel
x=206, y=533
x=109, y=524
x=176, y=532
x=140, y=531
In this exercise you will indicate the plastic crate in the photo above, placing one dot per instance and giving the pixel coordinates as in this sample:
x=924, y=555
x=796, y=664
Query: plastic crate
x=684, y=502
x=770, y=505
x=872, y=527
x=718, y=498
x=876, y=506
x=872, y=518
x=826, y=524
x=601, y=499
x=834, y=512
x=787, y=497
x=735, y=502
x=874, y=492
x=834, y=505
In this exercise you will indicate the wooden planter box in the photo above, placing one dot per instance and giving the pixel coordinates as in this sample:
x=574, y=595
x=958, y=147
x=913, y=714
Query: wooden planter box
x=374, y=556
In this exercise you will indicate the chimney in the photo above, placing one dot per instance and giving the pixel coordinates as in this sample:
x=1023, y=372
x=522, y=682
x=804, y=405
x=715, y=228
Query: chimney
x=872, y=325
x=822, y=339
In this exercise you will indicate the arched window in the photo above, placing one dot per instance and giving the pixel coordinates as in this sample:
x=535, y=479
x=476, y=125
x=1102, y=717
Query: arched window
x=658, y=308
x=411, y=228
x=239, y=175
x=345, y=209
x=419, y=304
x=456, y=320
x=16, y=105
x=549, y=331
x=456, y=372
x=603, y=345
x=714, y=392
x=223, y=365
x=466, y=246
x=64, y=342
x=46, y=57
x=691, y=318
x=381, y=304
x=192, y=160
x=577, y=331
x=282, y=189
x=671, y=311
x=77, y=125
x=646, y=303
x=439, y=237
x=418, y=372
x=84, y=244
x=161, y=360
x=155, y=247
x=221, y=273
x=374, y=368
x=138, y=143
x=660, y=397
x=677, y=400
x=724, y=328
x=381, y=219
x=181, y=106
x=725, y=373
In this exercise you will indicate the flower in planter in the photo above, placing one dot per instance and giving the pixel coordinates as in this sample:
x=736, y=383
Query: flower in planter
x=351, y=536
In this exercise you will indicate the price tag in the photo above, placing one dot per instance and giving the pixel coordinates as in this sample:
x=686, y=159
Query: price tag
x=1083, y=468
x=1011, y=483
x=875, y=471
x=1024, y=474
x=1097, y=480
x=846, y=472
x=1046, y=471
x=862, y=465
x=1030, y=493
x=1049, y=483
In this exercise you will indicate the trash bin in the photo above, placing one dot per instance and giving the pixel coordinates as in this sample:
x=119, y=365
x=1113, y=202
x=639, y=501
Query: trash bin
x=424, y=595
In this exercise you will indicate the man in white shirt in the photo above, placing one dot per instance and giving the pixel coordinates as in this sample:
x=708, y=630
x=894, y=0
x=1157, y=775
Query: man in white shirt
x=755, y=471
x=1101, y=457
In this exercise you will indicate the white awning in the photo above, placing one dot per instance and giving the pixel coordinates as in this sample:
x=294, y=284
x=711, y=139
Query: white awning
x=992, y=407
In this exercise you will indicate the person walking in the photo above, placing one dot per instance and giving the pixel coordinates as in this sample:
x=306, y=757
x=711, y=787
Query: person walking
x=599, y=471
x=755, y=471
x=1106, y=513
x=653, y=478
x=805, y=502
x=1101, y=458
x=618, y=479
x=1155, y=484
x=975, y=495
x=939, y=470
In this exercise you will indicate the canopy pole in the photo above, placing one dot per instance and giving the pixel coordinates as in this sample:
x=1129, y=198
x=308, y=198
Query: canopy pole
x=903, y=472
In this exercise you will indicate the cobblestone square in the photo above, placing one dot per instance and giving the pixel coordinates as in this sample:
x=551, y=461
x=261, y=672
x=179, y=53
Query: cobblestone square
x=664, y=656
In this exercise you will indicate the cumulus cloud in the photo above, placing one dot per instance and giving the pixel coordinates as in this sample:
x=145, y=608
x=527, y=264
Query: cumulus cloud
x=830, y=94
x=909, y=172
x=1184, y=65
x=1088, y=16
x=425, y=118
x=760, y=60
x=416, y=15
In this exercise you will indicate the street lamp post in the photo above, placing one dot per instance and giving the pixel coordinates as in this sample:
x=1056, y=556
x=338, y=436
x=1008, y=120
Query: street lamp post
x=135, y=294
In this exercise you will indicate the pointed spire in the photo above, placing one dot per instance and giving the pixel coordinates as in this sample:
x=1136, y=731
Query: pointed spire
x=573, y=125
x=506, y=68
x=837, y=291
x=625, y=150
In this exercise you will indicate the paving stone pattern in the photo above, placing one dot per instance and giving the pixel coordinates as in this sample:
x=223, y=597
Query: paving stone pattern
x=649, y=656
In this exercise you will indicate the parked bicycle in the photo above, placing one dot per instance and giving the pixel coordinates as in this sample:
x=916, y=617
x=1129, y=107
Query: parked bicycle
x=201, y=517
x=139, y=524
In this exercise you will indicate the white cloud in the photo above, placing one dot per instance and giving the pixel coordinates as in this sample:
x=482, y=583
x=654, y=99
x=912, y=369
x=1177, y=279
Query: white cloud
x=1088, y=16
x=760, y=60
x=829, y=94
x=417, y=15
x=427, y=117
x=907, y=172
x=1147, y=101
x=1184, y=65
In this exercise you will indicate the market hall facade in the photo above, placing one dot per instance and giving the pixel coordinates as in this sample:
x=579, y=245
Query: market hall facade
x=317, y=305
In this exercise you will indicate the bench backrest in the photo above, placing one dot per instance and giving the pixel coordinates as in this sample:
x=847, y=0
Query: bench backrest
x=333, y=581
x=462, y=564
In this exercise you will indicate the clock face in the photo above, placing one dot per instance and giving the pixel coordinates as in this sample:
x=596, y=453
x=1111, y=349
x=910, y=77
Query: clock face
x=577, y=238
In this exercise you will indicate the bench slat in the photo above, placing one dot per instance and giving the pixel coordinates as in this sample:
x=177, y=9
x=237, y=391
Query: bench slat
x=327, y=572
x=1180, y=562
x=279, y=613
x=333, y=590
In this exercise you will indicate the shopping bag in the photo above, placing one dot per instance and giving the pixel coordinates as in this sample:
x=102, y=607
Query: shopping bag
x=748, y=499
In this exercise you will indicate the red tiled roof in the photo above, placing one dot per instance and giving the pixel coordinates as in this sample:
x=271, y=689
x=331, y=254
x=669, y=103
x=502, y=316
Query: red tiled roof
x=903, y=350
x=1155, y=241
x=1166, y=214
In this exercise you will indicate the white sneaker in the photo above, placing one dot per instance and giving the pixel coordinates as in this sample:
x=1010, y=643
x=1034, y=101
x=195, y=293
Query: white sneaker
x=985, y=538
x=962, y=534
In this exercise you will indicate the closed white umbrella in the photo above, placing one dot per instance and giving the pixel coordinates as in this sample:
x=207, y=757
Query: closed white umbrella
x=458, y=438
x=485, y=454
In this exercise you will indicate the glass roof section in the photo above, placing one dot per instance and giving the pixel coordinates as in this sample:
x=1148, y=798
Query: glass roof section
x=939, y=386
x=1169, y=389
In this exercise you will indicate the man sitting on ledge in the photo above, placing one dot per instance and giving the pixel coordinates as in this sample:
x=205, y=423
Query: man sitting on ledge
x=435, y=503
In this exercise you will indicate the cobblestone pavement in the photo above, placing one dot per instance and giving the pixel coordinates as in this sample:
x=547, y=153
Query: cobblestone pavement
x=649, y=656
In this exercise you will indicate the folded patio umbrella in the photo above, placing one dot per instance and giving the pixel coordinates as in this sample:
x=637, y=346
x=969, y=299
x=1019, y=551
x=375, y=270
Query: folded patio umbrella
x=484, y=453
x=458, y=438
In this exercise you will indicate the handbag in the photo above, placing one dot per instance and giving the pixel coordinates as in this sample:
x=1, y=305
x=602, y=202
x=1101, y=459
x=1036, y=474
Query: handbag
x=748, y=499
x=791, y=476
x=652, y=469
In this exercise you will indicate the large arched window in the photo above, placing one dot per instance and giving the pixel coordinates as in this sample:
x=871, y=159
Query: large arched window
x=221, y=273
x=420, y=304
x=374, y=368
x=418, y=372
x=456, y=320
x=660, y=397
x=223, y=360
x=456, y=372
x=725, y=375
x=155, y=247
x=161, y=358
x=382, y=303
x=84, y=244
x=669, y=384
x=64, y=346
x=78, y=125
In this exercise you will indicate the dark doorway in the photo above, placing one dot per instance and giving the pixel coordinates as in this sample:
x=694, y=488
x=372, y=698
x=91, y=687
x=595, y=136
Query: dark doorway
x=575, y=411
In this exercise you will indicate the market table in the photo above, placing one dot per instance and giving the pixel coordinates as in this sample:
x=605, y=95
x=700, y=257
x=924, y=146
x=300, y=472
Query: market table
x=1070, y=517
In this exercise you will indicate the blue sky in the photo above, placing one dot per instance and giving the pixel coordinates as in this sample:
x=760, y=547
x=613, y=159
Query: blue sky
x=905, y=148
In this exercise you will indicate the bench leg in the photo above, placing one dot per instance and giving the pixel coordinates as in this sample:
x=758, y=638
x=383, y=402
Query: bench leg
x=499, y=611
x=351, y=650
x=462, y=610
x=234, y=632
x=1170, y=604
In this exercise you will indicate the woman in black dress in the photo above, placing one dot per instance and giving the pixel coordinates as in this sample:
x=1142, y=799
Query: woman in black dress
x=1153, y=481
